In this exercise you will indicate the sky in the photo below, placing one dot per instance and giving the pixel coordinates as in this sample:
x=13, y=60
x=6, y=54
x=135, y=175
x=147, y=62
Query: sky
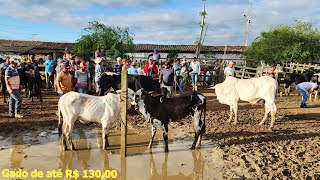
x=151, y=21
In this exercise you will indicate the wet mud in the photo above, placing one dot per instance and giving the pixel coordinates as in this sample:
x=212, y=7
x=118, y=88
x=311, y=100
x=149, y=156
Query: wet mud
x=242, y=151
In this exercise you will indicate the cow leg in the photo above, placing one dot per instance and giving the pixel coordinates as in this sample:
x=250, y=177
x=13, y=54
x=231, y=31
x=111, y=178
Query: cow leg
x=165, y=136
x=105, y=132
x=59, y=127
x=231, y=114
x=196, y=136
x=266, y=112
x=235, y=109
x=273, y=115
x=64, y=142
x=153, y=134
x=39, y=91
x=68, y=133
x=316, y=96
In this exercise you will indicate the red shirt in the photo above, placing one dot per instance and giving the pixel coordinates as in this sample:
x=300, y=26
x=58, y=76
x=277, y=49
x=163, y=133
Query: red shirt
x=155, y=69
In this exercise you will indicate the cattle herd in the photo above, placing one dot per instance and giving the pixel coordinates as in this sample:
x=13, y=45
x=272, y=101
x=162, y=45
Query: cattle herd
x=144, y=95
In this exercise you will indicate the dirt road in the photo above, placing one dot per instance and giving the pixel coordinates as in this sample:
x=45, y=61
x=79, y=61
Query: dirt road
x=245, y=150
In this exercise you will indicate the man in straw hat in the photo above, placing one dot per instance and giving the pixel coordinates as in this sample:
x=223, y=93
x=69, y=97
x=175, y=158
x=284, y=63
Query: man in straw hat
x=229, y=70
x=98, y=71
x=12, y=80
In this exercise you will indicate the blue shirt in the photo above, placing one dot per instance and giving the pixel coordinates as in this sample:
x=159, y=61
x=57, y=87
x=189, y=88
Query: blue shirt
x=132, y=70
x=50, y=65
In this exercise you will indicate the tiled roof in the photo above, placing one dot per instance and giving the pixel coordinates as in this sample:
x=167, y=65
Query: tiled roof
x=36, y=44
x=187, y=48
x=12, y=44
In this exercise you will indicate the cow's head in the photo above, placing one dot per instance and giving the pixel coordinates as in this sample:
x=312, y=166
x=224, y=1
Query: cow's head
x=137, y=98
x=289, y=79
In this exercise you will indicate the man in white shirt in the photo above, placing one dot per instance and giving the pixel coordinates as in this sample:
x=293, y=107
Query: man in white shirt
x=229, y=70
x=305, y=88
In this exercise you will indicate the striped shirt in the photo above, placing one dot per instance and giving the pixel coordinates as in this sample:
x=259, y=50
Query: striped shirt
x=13, y=75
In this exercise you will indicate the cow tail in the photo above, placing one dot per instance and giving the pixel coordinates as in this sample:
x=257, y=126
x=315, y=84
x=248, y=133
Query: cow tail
x=203, y=127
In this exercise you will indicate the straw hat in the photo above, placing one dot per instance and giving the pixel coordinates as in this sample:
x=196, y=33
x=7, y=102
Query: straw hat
x=98, y=60
x=13, y=59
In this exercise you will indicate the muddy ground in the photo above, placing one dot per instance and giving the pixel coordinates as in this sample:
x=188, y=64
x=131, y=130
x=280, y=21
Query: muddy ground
x=242, y=151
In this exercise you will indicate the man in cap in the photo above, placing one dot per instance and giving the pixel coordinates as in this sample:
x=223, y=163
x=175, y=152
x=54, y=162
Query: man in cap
x=155, y=55
x=64, y=80
x=118, y=67
x=132, y=69
x=166, y=79
x=229, y=70
x=12, y=80
x=82, y=78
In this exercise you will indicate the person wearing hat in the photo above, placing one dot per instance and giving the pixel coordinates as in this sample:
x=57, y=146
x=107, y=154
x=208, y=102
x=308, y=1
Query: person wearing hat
x=229, y=70
x=166, y=80
x=155, y=55
x=305, y=88
x=196, y=69
x=183, y=76
x=82, y=78
x=117, y=68
x=133, y=70
x=12, y=80
x=272, y=71
x=97, y=73
x=64, y=80
x=150, y=68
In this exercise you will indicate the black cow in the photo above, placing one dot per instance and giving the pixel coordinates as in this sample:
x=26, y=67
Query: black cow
x=135, y=82
x=33, y=78
x=3, y=85
x=158, y=110
x=297, y=78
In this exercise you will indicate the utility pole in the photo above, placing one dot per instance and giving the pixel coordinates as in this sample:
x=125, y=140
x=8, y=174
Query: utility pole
x=33, y=36
x=247, y=26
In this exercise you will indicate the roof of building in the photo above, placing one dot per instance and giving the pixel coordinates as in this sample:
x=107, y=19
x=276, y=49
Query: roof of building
x=47, y=47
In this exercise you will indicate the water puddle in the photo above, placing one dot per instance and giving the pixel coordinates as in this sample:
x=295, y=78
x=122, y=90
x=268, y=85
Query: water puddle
x=42, y=151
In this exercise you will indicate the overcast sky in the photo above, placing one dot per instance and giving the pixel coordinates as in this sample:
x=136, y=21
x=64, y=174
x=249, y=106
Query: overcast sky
x=151, y=21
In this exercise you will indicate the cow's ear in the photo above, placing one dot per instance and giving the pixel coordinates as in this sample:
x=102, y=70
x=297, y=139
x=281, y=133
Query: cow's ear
x=142, y=90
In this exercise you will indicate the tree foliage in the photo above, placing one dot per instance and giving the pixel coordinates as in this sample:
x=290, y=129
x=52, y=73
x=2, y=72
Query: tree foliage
x=299, y=43
x=114, y=41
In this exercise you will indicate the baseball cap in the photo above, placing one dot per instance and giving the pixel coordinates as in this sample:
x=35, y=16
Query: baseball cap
x=13, y=59
x=64, y=65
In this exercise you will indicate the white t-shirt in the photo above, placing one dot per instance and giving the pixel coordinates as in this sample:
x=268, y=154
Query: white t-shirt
x=308, y=85
x=229, y=71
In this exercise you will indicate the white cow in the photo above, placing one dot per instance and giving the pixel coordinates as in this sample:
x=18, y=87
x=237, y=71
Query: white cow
x=252, y=90
x=86, y=108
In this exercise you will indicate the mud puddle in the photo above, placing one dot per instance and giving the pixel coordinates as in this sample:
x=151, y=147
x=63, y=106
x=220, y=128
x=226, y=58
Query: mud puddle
x=42, y=151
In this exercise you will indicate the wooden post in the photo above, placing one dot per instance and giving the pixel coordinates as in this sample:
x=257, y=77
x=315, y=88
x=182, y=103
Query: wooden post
x=243, y=70
x=277, y=71
x=123, y=112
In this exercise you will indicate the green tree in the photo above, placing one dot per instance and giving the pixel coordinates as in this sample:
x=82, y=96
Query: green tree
x=299, y=43
x=114, y=41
